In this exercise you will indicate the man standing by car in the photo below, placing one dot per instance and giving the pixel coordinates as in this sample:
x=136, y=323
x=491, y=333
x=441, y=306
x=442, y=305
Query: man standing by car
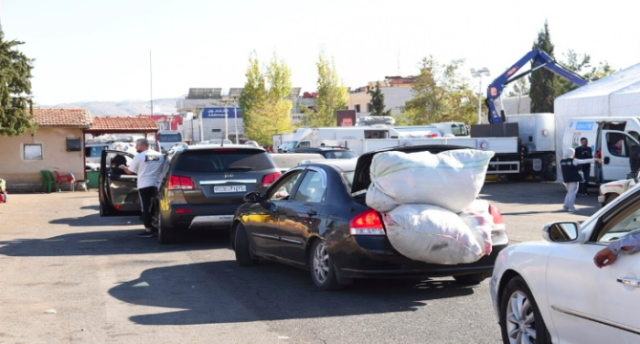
x=584, y=152
x=149, y=166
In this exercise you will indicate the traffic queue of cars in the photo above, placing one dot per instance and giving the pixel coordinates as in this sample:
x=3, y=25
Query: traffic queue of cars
x=314, y=217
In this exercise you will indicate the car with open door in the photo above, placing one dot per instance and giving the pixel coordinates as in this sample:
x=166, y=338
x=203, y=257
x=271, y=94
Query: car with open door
x=552, y=292
x=315, y=217
x=118, y=191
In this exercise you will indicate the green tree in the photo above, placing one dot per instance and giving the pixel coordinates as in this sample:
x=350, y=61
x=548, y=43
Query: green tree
x=440, y=94
x=545, y=86
x=16, y=106
x=264, y=100
x=377, y=101
x=581, y=65
x=332, y=96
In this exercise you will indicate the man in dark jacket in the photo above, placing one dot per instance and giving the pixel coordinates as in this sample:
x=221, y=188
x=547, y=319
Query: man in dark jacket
x=584, y=152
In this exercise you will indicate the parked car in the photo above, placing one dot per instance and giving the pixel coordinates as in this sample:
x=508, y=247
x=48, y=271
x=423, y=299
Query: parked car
x=328, y=152
x=206, y=184
x=315, y=217
x=612, y=190
x=551, y=291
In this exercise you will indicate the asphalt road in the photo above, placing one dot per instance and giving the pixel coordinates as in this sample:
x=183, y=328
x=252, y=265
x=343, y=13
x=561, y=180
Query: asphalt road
x=69, y=276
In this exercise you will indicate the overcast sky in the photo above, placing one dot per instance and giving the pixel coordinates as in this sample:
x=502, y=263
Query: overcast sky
x=88, y=50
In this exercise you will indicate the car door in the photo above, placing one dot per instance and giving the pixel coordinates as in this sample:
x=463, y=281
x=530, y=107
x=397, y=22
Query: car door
x=263, y=222
x=616, y=146
x=302, y=215
x=118, y=190
x=591, y=305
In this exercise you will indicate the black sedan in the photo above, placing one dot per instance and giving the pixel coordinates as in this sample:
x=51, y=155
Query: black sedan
x=315, y=217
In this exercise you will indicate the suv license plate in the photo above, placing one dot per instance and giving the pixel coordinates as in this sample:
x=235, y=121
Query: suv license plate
x=234, y=188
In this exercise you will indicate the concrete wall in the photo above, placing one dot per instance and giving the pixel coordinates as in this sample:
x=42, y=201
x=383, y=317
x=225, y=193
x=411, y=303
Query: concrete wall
x=24, y=175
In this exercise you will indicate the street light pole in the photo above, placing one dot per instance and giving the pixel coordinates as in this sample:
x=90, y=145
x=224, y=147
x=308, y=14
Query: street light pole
x=235, y=119
x=478, y=74
x=226, y=123
x=480, y=101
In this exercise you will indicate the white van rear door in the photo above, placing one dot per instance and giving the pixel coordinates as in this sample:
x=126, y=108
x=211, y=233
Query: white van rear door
x=615, y=154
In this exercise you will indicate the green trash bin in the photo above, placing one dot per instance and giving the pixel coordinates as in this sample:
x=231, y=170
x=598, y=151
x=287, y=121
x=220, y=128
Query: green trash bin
x=92, y=179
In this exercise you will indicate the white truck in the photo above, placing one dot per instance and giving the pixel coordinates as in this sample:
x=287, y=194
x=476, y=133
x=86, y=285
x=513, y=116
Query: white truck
x=168, y=138
x=337, y=136
x=365, y=139
x=279, y=141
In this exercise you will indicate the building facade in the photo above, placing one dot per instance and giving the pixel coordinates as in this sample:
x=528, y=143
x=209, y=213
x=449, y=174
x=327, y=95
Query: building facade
x=396, y=89
x=56, y=145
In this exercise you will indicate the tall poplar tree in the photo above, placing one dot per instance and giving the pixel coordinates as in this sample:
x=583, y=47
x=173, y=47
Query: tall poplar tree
x=545, y=86
x=332, y=96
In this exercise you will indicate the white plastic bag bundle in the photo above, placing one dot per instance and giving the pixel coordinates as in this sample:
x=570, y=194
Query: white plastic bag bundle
x=451, y=179
x=435, y=235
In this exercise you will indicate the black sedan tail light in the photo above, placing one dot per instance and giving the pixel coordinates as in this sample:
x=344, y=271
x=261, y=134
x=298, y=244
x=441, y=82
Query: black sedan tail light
x=368, y=222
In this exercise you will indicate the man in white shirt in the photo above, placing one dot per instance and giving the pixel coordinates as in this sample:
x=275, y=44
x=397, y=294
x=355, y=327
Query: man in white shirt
x=149, y=166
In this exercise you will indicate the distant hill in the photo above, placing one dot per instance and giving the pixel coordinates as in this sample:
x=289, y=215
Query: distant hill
x=123, y=108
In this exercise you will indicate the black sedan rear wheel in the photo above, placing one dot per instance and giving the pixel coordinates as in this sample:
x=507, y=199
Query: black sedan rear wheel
x=323, y=272
x=242, y=248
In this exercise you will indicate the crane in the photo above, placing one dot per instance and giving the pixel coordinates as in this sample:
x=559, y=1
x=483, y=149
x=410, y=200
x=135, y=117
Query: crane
x=540, y=60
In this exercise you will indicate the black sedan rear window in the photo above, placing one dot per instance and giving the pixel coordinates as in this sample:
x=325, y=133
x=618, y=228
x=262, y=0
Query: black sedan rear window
x=223, y=161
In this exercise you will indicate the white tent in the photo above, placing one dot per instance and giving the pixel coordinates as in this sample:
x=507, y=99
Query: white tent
x=617, y=95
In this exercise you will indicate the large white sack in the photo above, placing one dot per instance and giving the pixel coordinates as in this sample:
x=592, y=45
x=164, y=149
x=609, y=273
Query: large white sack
x=451, y=179
x=433, y=235
x=477, y=217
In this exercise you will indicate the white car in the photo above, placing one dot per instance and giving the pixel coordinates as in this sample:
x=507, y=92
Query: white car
x=611, y=190
x=552, y=292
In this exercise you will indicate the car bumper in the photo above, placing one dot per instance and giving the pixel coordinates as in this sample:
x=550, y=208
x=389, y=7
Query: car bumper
x=376, y=258
x=204, y=216
x=601, y=199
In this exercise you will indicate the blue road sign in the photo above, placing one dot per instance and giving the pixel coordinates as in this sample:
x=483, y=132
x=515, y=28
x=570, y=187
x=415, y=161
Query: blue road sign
x=218, y=112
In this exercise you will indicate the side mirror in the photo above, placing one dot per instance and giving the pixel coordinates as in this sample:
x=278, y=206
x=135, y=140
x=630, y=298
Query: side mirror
x=252, y=197
x=561, y=232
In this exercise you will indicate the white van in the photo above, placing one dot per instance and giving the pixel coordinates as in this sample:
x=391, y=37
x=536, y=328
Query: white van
x=613, y=137
x=168, y=138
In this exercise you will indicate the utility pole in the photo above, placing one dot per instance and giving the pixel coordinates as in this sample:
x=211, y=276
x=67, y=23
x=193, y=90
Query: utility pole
x=235, y=118
x=479, y=74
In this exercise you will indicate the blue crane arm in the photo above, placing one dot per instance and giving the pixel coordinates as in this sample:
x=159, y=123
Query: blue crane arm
x=540, y=60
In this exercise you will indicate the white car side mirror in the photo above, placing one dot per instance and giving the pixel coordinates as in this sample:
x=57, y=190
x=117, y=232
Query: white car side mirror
x=561, y=232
